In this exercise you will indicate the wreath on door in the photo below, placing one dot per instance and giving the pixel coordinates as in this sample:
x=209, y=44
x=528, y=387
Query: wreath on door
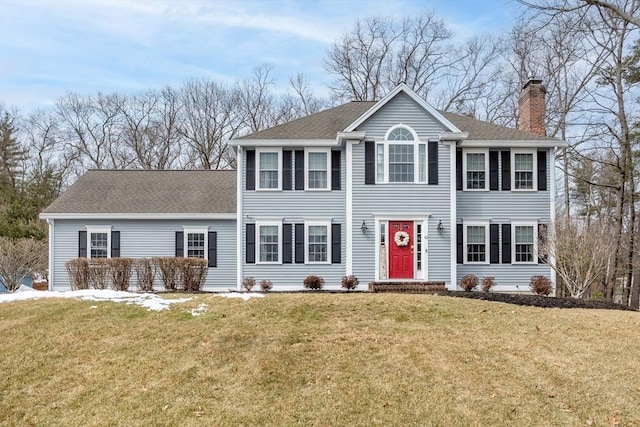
x=401, y=238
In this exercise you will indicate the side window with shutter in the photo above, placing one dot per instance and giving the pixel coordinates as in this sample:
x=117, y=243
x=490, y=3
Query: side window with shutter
x=212, y=254
x=250, y=243
x=179, y=243
x=82, y=244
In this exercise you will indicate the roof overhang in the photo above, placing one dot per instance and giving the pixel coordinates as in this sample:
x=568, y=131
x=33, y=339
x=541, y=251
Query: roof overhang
x=284, y=142
x=551, y=143
x=453, y=136
x=350, y=136
x=402, y=87
x=138, y=215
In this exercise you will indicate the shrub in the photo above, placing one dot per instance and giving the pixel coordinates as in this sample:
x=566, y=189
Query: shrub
x=541, y=285
x=120, y=273
x=350, y=282
x=98, y=273
x=145, y=273
x=20, y=258
x=167, y=266
x=248, y=283
x=192, y=272
x=266, y=285
x=78, y=270
x=313, y=282
x=469, y=282
x=488, y=283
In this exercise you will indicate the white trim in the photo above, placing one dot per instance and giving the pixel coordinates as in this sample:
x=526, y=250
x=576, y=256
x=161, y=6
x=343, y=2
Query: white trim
x=524, y=223
x=263, y=223
x=95, y=230
x=402, y=217
x=239, y=218
x=355, y=137
x=534, y=157
x=321, y=223
x=513, y=143
x=328, y=169
x=452, y=220
x=402, y=87
x=416, y=143
x=401, y=126
x=484, y=151
x=422, y=219
x=475, y=223
x=285, y=142
x=552, y=213
x=195, y=230
x=447, y=137
x=272, y=150
x=106, y=215
x=349, y=208
x=51, y=253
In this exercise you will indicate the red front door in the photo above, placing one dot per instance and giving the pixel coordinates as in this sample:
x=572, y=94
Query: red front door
x=401, y=249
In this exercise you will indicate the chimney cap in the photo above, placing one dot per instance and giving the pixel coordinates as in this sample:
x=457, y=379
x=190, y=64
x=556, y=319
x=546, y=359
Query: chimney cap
x=532, y=81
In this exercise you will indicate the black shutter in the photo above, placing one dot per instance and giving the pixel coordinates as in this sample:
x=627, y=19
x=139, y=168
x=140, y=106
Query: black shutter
x=506, y=243
x=459, y=244
x=369, y=162
x=213, y=249
x=286, y=169
x=494, y=243
x=542, y=170
x=432, y=155
x=336, y=244
x=543, y=255
x=459, y=169
x=299, y=244
x=287, y=234
x=299, y=157
x=115, y=244
x=251, y=170
x=82, y=244
x=335, y=170
x=179, y=243
x=250, y=243
x=506, y=170
x=493, y=170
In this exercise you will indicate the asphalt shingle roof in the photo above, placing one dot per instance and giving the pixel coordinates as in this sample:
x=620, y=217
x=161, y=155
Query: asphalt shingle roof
x=326, y=124
x=149, y=191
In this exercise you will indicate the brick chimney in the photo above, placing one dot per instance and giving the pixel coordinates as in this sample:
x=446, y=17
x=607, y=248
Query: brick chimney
x=532, y=109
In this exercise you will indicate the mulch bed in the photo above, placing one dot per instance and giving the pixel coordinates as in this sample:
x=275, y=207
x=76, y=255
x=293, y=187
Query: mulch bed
x=538, y=301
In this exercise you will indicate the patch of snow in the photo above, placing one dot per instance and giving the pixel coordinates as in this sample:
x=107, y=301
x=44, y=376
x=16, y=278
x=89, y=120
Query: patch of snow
x=244, y=295
x=199, y=310
x=151, y=302
x=24, y=288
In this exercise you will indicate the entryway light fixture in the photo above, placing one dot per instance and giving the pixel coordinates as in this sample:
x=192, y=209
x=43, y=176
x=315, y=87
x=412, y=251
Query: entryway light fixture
x=364, y=227
x=440, y=227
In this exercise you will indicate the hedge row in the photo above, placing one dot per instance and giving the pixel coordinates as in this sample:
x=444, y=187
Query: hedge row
x=176, y=274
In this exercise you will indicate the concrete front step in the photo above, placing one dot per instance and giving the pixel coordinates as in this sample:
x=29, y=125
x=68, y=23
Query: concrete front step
x=410, y=287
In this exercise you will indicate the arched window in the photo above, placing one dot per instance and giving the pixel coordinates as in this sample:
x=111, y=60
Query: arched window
x=399, y=158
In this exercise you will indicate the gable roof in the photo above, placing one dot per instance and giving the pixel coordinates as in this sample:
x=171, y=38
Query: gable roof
x=156, y=192
x=328, y=123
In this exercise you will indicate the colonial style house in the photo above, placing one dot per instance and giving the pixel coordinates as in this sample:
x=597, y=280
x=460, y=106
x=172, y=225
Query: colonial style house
x=391, y=191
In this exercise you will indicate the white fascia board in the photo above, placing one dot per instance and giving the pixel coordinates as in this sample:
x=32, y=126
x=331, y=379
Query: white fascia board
x=105, y=215
x=284, y=142
x=406, y=89
x=356, y=137
x=453, y=136
x=514, y=143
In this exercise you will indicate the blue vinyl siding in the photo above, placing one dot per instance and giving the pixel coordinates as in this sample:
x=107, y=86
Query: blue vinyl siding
x=147, y=239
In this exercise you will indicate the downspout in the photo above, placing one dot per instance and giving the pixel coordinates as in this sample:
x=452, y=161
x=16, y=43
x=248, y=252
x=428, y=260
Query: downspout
x=51, y=254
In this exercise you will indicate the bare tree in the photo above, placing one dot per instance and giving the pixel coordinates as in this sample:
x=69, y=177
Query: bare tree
x=20, y=258
x=625, y=10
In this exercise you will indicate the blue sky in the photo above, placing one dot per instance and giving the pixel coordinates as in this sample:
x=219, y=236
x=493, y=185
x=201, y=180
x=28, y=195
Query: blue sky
x=50, y=47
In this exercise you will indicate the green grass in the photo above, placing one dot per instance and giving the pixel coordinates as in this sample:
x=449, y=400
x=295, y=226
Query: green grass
x=313, y=359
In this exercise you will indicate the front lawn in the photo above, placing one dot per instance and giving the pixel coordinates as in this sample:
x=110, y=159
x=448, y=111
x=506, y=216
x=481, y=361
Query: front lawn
x=317, y=359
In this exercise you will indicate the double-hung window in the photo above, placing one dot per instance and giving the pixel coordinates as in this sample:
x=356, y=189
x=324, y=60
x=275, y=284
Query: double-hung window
x=195, y=242
x=524, y=243
x=476, y=242
x=269, y=170
x=524, y=170
x=99, y=242
x=318, y=235
x=476, y=165
x=269, y=236
x=318, y=176
x=401, y=157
